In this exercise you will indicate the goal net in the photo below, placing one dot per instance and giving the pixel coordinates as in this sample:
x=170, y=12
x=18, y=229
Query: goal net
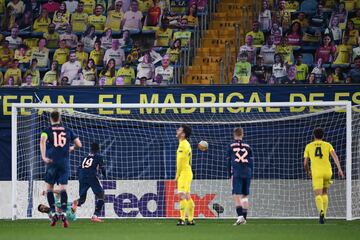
x=138, y=143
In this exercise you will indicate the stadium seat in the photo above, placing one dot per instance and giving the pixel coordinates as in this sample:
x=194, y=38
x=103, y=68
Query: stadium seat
x=308, y=59
x=308, y=6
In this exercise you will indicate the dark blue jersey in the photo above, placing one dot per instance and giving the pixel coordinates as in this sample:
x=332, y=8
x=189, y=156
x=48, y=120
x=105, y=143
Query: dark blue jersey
x=58, y=142
x=90, y=165
x=240, y=159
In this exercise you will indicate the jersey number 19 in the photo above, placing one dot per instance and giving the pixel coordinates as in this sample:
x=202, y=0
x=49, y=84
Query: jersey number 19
x=87, y=162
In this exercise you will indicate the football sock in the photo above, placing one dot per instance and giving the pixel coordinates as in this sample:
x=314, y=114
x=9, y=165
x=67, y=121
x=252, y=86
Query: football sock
x=239, y=211
x=63, y=200
x=244, y=211
x=319, y=203
x=183, y=208
x=190, y=207
x=51, y=200
x=325, y=199
x=98, y=207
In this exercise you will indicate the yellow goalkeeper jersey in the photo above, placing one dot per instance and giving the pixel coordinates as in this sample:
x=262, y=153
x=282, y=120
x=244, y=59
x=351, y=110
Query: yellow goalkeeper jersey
x=183, y=158
x=318, y=152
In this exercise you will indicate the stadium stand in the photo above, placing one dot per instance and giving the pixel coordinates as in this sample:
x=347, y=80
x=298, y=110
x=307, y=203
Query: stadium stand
x=203, y=40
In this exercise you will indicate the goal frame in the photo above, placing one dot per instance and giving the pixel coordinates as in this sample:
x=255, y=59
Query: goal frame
x=345, y=104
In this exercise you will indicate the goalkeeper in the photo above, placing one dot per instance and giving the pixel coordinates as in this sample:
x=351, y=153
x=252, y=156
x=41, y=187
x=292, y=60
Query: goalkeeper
x=70, y=211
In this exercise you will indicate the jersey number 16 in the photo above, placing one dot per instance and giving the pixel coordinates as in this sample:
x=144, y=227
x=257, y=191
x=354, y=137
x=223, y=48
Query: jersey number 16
x=59, y=139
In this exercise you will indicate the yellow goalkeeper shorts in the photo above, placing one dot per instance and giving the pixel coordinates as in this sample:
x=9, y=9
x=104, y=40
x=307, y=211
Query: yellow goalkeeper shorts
x=321, y=180
x=184, y=183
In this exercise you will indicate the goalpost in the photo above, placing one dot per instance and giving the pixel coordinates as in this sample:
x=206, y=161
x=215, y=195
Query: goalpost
x=138, y=144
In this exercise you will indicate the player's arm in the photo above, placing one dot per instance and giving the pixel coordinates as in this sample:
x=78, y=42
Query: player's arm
x=76, y=141
x=228, y=162
x=337, y=163
x=43, y=140
x=307, y=166
x=307, y=161
x=180, y=159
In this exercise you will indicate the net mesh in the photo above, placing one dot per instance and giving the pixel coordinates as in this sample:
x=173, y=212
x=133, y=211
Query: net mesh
x=139, y=147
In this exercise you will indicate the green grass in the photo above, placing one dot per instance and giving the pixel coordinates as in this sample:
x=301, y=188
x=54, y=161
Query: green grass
x=167, y=230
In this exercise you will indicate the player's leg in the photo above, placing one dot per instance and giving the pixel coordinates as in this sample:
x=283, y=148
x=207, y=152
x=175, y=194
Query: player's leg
x=183, y=202
x=325, y=198
x=245, y=196
x=50, y=196
x=190, y=208
x=63, y=181
x=237, y=184
x=50, y=179
x=99, y=193
x=83, y=188
x=190, y=201
x=318, y=185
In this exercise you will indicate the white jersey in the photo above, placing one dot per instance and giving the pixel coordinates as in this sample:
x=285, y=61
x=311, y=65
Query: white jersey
x=166, y=73
x=71, y=70
x=118, y=55
x=279, y=71
x=13, y=42
x=268, y=52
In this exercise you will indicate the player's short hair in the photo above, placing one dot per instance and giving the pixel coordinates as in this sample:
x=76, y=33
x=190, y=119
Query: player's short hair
x=238, y=132
x=187, y=130
x=94, y=147
x=43, y=209
x=318, y=133
x=55, y=116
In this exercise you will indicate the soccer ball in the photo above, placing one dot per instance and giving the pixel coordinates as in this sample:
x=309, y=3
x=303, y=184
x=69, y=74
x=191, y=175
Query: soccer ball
x=203, y=146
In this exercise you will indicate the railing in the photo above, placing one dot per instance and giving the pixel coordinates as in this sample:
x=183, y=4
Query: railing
x=228, y=62
x=222, y=71
x=198, y=33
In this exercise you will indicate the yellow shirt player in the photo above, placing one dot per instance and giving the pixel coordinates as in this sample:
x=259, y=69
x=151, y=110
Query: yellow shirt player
x=318, y=152
x=184, y=175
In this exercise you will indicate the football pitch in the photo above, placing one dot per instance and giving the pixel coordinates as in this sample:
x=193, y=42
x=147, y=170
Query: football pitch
x=167, y=230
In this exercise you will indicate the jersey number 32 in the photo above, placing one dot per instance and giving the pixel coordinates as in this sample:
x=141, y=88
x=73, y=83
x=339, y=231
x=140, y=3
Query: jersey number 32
x=241, y=154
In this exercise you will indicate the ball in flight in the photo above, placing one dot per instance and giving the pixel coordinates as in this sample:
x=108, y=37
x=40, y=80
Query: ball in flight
x=203, y=146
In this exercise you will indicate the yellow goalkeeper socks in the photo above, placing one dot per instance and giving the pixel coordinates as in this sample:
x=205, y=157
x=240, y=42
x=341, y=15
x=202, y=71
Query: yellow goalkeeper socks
x=183, y=207
x=319, y=203
x=191, y=208
x=325, y=199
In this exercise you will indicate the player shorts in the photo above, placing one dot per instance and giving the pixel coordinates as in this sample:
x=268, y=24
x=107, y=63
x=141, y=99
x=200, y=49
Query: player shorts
x=90, y=182
x=184, y=183
x=241, y=185
x=56, y=174
x=321, y=180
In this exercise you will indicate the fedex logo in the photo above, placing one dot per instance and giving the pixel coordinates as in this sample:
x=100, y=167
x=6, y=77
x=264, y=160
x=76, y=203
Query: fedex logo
x=166, y=199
